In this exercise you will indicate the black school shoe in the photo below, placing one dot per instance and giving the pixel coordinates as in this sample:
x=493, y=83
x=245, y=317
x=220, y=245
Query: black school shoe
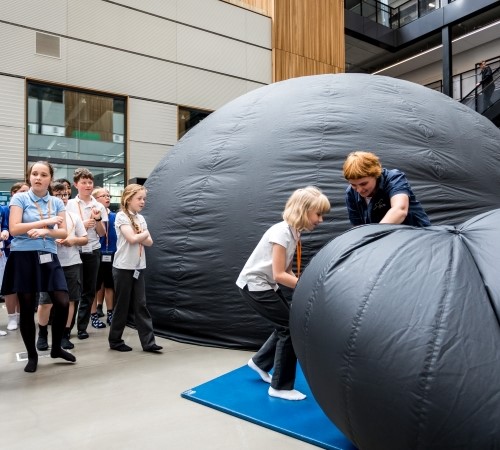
x=82, y=334
x=153, y=349
x=122, y=348
x=66, y=343
x=41, y=343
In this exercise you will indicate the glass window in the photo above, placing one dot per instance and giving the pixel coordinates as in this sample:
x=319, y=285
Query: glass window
x=72, y=128
x=189, y=117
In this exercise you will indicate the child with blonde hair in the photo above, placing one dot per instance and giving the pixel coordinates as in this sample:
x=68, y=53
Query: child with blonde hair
x=270, y=264
x=128, y=272
x=105, y=288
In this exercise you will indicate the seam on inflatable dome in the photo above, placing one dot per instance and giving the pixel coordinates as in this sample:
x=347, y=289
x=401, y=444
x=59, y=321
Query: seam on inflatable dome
x=427, y=374
x=351, y=341
x=308, y=313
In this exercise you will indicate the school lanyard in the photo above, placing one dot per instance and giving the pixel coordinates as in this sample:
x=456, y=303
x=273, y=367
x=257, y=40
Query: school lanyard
x=80, y=209
x=299, y=256
x=41, y=212
x=72, y=224
x=41, y=215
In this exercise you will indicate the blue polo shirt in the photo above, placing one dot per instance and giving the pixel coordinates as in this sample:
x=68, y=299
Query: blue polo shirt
x=48, y=206
x=108, y=241
x=390, y=183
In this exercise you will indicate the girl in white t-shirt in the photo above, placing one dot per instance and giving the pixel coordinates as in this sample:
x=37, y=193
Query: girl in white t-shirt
x=128, y=272
x=270, y=264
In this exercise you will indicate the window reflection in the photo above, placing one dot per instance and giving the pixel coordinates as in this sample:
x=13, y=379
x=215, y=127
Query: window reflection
x=109, y=178
x=72, y=128
x=73, y=125
x=189, y=117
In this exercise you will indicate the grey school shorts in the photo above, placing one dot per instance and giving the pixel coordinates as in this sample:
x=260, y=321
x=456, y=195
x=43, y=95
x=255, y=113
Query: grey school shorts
x=73, y=280
x=73, y=276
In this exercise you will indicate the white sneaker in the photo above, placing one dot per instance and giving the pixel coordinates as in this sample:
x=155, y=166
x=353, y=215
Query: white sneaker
x=2, y=333
x=12, y=325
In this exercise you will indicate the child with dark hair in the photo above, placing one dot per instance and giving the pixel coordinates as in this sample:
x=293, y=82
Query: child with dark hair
x=36, y=221
x=105, y=287
x=66, y=184
x=69, y=257
x=93, y=215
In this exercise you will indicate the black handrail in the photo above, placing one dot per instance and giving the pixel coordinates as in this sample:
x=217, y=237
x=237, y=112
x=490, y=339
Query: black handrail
x=463, y=78
x=393, y=17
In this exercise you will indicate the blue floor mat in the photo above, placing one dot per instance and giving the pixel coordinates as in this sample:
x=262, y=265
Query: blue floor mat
x=243, y=394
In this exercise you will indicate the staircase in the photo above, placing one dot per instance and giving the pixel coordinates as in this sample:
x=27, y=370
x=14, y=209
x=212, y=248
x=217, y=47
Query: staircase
x=486, y=101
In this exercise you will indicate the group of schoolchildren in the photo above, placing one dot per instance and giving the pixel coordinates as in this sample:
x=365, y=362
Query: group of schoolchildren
x=40, y=227
x=61, y=252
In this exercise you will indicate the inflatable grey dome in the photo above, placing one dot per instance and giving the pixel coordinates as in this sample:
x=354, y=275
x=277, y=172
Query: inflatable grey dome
x=225, y=182
x=397, y=330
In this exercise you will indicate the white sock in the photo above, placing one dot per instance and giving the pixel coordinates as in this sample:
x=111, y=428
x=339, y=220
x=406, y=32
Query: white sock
x=263, y=374
x=291, y=394
x=13, y=322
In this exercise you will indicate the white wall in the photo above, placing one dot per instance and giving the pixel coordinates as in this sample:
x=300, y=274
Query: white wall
x=160, y=53
x=12, y=128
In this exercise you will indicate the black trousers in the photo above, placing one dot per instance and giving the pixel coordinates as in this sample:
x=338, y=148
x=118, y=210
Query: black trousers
x=487, y=93
x=277, y=351
x=130, y=295
x=90, y=267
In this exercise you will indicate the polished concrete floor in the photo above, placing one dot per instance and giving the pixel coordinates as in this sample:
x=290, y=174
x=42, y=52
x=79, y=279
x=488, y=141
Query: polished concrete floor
x=110, y=400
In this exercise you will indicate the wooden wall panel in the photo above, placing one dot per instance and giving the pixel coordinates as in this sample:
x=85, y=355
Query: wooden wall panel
x=312, y=29
x=308, y=35
x=289, y=65
x=261, y=6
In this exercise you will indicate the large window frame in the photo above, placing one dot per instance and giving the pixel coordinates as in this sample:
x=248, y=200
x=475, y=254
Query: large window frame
x=72, y=127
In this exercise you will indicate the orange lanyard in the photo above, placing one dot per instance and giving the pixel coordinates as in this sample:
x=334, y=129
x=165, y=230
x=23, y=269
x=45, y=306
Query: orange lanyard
x=299, y=256
x=90, y=205
x=41, y=212
x=72, y=224
x=80, y=209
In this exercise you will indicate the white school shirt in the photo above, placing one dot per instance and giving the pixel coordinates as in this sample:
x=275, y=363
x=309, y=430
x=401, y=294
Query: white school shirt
x=257, y=273
x=69, y=256
x=129, y=256
x=84, y=210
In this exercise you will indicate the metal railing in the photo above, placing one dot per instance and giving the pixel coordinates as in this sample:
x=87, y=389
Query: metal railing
x=465, y=83
x=481, y=98
x=394, y=17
